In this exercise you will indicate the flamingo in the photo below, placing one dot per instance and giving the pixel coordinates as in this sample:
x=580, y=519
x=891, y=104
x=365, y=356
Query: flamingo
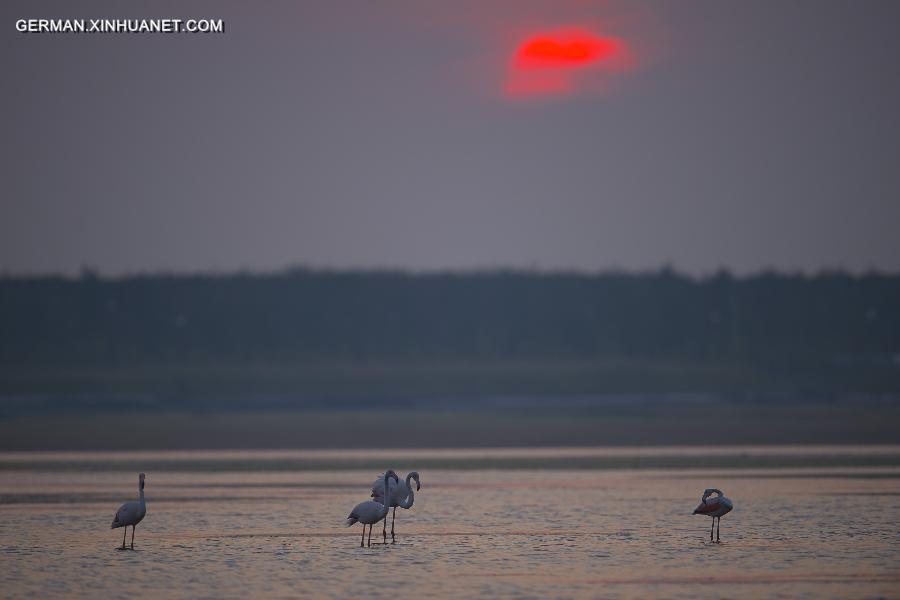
x=715, y=508
x=370, y=512
x=131, y=513
x=401, y=495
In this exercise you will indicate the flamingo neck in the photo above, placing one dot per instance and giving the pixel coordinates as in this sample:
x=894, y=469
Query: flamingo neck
x=384, y=498
x=408, y=501
x=709, y=492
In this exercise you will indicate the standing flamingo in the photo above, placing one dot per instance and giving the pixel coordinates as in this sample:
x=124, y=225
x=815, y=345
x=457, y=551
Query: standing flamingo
x=370, y=512
x=715, y=508
x=401, y=494
x=131, y=513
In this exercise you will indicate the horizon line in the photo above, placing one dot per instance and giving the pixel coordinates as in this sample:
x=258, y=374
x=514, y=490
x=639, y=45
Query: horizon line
x=666, y=269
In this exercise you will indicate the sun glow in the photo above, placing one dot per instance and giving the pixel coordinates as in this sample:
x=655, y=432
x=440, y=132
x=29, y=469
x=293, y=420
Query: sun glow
x=559, y=63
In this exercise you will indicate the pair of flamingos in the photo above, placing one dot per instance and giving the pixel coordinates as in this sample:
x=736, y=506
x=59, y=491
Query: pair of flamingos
x=399, y=493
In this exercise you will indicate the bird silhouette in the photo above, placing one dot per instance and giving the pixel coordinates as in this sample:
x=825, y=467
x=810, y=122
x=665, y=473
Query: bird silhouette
x=131, y=513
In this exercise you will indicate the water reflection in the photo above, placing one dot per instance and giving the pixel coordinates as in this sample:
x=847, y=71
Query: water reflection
x=229, y=531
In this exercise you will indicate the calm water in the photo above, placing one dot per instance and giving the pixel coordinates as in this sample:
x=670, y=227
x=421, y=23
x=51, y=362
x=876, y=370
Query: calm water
x=216, y=528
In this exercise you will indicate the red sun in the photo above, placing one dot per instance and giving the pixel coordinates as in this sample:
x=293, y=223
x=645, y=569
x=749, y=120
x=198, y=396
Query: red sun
x=551, y=63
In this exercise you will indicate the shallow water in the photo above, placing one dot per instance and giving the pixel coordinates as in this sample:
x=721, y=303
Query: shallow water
x=215, y=528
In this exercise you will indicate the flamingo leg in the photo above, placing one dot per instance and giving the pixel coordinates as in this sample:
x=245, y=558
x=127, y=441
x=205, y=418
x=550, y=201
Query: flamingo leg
x=384, y=530
x=393, y=538
x=711, y=529
x=124, y=533
x=718, y=527
x=363, y=538
x=370, y=536
x=132, y=536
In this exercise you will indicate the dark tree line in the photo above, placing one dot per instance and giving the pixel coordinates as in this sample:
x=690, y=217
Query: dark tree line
x=767, y=319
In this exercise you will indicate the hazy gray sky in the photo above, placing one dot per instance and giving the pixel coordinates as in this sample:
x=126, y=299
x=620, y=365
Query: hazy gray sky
x=347, y=134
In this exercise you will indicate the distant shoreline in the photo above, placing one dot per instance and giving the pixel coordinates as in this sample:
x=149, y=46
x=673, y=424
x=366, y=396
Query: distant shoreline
x=494, y=332
x=89, y=272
